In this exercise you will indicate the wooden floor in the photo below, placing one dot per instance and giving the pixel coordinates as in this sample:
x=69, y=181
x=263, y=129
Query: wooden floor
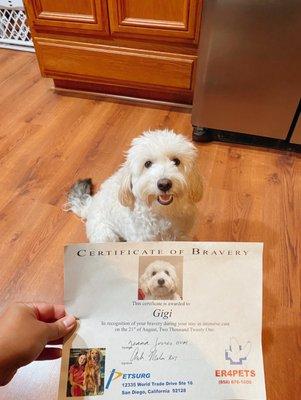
x=48, y=141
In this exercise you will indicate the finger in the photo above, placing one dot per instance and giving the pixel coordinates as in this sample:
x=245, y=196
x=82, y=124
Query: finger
x=7, y=376
x=54, y=342
x=50, y=353
x=49, y=312
x=60, y=328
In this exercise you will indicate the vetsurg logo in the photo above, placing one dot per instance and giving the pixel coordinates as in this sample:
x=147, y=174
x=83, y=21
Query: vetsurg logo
x=117, y=374
x=113, y=375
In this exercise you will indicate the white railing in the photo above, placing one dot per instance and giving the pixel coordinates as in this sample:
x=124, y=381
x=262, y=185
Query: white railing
x=14, y=32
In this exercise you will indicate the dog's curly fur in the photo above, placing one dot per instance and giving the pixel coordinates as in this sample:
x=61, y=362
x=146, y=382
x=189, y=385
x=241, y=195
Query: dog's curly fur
x=92, y=372
x=130, y=206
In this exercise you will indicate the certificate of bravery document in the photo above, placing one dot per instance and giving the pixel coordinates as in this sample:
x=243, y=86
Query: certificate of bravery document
x=164, y=320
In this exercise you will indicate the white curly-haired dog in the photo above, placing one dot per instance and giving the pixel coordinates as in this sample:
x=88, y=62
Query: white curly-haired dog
x=159, y=281
x=151, y=197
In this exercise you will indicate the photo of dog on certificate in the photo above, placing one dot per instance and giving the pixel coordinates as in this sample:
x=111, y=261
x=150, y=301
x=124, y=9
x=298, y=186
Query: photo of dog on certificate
x=151, y=197
x=86, y=372
x=160, y=278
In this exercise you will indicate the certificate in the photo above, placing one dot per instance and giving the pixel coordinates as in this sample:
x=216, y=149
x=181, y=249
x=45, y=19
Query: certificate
x=164, y=320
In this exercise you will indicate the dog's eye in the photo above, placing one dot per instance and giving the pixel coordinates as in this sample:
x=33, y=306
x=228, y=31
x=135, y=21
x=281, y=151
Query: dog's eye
x=167, y=273
x=154, y=273
x=176, y=161
x=148, y=164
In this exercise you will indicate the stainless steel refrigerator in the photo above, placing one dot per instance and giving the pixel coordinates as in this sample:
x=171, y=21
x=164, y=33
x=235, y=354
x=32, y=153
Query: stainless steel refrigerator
x=248, y=78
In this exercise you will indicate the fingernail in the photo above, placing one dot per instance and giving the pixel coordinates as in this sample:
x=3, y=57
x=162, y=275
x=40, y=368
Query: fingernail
x=69, y=321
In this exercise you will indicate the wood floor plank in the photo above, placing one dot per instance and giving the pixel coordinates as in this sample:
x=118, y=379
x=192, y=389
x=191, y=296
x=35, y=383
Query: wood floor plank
x=47, y=141
x=11, y=63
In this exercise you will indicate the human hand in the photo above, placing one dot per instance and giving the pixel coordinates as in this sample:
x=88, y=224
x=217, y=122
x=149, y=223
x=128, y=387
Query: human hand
x=25, y=330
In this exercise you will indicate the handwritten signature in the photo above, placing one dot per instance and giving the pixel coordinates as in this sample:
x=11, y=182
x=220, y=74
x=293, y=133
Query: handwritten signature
x=141, y=351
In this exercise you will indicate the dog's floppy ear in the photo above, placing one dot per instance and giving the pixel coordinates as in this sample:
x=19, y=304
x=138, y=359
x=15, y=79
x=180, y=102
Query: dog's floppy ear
x=175, y=278
x=125, y=194
x=177, y=283
x=195, y=185
x=143, y=283
x=98, y=355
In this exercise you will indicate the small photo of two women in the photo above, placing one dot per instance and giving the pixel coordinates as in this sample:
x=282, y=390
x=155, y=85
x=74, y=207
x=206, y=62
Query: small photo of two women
x=86, y=372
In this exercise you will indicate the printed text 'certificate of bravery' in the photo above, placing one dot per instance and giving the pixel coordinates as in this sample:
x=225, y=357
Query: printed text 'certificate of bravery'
x=164, y=320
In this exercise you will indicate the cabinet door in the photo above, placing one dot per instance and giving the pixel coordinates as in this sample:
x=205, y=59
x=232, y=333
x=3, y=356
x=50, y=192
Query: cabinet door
x=163, y=19
x=69, y=16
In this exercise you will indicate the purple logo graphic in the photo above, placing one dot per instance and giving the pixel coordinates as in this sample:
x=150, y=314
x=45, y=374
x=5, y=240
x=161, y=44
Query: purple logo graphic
x=237, y=353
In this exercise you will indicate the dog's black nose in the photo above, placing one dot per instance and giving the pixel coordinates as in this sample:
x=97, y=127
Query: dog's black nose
x=164, y=184
x=161, y=282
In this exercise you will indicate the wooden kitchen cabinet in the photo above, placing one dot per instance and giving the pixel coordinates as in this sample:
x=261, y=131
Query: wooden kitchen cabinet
x=145, y=49
x=67, y=16
x=164, y=20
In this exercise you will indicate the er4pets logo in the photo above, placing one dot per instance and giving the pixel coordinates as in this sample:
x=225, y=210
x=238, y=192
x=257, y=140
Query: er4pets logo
x=237, y=353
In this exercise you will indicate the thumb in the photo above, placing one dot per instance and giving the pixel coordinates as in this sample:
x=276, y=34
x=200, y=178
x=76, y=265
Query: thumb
x=60, y=328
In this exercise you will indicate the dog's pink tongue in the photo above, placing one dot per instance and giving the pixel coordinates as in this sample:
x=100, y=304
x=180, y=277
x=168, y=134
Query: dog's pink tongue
x=165, y=199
